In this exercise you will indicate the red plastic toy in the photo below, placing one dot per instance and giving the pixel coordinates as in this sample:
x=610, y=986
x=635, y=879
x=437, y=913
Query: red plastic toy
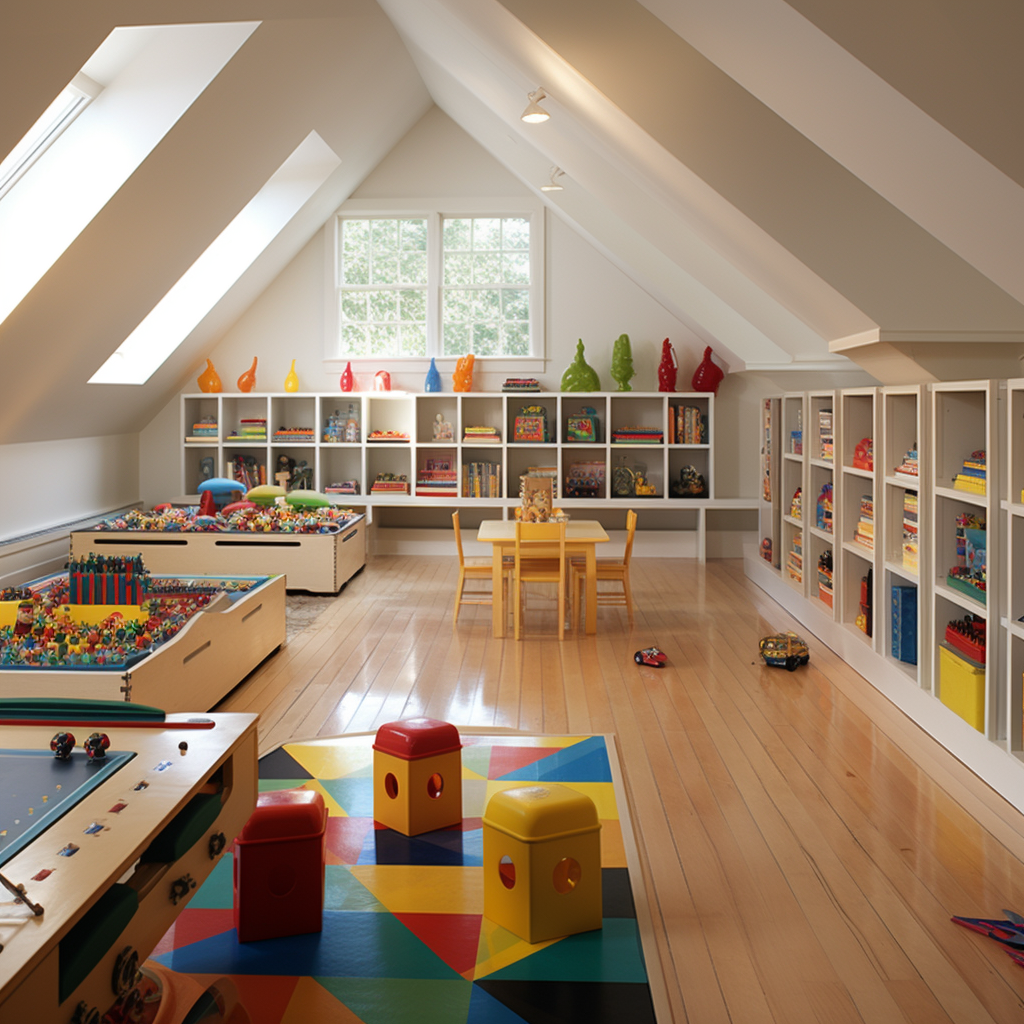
x=650, y=656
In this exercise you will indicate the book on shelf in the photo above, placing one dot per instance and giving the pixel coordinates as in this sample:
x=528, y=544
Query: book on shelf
x=481, y=435
x=687, y=425
x=481, y=480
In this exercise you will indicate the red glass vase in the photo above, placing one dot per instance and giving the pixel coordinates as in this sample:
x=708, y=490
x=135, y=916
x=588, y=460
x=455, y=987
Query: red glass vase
x=708, y=375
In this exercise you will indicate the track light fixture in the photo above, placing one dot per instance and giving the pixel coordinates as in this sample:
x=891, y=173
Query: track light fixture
x=553, y=186
x=534, y=112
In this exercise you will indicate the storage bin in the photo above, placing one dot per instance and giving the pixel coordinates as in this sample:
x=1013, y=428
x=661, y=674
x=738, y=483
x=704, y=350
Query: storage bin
x=962, y=686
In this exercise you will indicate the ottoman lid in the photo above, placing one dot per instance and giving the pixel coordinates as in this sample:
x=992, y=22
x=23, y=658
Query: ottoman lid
x=532, y=813
x=417, y=737
x=285, y=814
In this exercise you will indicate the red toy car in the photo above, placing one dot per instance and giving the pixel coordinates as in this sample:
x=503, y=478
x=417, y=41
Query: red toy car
x=650, y=656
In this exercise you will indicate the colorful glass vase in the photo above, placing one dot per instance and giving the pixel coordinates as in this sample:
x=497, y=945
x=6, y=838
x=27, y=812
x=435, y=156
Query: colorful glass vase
x=433, y=381
x=579, y=375
x=667, y=368
x=622, y=362
x=248, y=379
x=462, y=379
x=347, y=381
x=708, y=375
x=208, y=380
x=291, y=381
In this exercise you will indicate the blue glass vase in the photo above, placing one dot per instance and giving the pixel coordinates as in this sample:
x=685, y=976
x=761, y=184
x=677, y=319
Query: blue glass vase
x=433, y=382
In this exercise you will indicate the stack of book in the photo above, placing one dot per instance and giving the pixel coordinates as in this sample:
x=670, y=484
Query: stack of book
x=637, y=435
x=825, y=440
x=972, y=476
x=305, y=435
x=387, y=435
x=481, y=480
x=795, y=559
x=343, y=487
x=437, y=478
x=687, y=425
x=203, y=432
x=481, y=435
x=907, y=469
x=513, y=384
x=253, y=430
x=390, y=483
x=864, y=532
x=910, y=530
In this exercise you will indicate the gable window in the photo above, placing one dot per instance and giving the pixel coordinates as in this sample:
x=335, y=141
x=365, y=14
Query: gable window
x=439, y=284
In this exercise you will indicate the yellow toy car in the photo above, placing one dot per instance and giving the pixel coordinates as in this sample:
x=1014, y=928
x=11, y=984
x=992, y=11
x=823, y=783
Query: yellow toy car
x=784, y=649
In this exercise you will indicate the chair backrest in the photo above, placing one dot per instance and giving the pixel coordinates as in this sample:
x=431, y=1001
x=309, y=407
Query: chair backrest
x=630, y=533
x=458, y=537
x=540, y=540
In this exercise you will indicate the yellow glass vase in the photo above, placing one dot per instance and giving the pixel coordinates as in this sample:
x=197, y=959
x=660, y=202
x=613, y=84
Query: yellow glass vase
x=291, y=382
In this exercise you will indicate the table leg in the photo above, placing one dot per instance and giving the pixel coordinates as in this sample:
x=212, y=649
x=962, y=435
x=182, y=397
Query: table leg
x=497, y=592
x=591, y=589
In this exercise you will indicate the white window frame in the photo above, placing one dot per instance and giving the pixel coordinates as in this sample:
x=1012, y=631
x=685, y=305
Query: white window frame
x=434, y=211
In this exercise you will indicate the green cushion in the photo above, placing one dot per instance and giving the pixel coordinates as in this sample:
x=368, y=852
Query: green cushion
x=265, y=494
x=307, y=499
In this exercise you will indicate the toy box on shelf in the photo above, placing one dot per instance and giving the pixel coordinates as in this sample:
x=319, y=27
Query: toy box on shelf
x=585, y=480
x=969, y=575
x=583, y=427
x=967, y=635
x=863, y=455
x=823, y=516
x=531, y=425
x=390, y=483
x=962, y=686
x=825, y=576
x=904, y=624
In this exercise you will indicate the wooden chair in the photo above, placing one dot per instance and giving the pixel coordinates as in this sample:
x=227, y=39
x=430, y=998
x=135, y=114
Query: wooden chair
x=539, y=558
x=474, y=569
x=613, y=569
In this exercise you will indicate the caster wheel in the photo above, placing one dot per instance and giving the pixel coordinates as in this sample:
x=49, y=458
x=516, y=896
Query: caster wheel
x=126, y=969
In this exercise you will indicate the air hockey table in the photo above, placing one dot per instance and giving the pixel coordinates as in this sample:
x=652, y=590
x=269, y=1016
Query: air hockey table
x=99, y=855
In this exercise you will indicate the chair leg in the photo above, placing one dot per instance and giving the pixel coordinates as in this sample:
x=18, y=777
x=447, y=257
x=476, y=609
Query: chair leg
x=561, y=607
x=629, y=596
x=517, y=610
x=458, y=598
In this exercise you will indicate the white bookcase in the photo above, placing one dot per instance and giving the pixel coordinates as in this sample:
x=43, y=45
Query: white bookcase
x=944, y=423
x=793, y=476
x=906, y=501
x=857, y=503
x=414, y=415
x=820, y=448
x=964, y=420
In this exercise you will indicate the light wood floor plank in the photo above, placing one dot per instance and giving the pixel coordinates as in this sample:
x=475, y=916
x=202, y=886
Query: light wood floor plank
x=802, y=843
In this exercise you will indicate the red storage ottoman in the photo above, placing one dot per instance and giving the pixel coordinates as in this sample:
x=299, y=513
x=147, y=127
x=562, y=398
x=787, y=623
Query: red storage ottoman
x=279, y=866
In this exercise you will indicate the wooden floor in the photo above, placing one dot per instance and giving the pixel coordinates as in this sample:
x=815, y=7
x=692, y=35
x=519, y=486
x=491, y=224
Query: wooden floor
x=804, y=844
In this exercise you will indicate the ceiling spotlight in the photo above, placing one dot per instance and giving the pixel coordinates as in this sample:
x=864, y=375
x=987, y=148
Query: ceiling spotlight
x=534, y=112
x=553, y=186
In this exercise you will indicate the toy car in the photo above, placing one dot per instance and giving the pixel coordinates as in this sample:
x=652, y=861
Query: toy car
x=650, y=656
x=784, y=649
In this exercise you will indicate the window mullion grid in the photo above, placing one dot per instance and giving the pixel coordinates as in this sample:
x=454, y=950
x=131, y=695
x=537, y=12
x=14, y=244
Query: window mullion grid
x=435, y=283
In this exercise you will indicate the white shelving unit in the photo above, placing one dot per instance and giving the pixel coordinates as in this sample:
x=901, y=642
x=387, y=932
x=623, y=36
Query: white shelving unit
x=1013, y=504
x=820, y=448
x=946, y=422
x=770, y=507
x=905, y=508
x=858, y=492
x=793, y=477
x=414, y=415
x=964, y=420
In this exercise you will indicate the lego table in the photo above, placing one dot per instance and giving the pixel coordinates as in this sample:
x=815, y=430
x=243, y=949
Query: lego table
x=404, y=937
x=116, y=849
x=318, y=562
x=212, y=653
x=581, y=536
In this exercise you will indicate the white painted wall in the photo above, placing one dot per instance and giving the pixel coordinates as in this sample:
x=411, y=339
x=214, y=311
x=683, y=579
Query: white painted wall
x=587, y=297
x=49, y=483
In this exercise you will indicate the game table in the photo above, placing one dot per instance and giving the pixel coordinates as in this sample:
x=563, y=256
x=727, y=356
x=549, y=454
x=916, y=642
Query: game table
x=109, y=850
x=320, y=563
x=214, y=651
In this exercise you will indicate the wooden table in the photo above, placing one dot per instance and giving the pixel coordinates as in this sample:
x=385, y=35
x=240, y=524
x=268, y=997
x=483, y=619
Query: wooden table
x=581, y=536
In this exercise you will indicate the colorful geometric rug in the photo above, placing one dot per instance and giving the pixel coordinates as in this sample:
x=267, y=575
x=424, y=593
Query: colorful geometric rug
x=404, y=937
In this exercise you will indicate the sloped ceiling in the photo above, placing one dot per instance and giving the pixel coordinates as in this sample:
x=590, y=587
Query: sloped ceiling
x=798, y=182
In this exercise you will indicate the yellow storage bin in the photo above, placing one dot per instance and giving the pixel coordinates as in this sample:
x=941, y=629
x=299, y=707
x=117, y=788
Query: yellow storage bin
x=962, y=686
x=542, y=862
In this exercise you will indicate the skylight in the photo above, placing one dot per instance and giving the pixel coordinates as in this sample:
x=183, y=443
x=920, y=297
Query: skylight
x=71, y=101
x=70, y=182
x=230, y=254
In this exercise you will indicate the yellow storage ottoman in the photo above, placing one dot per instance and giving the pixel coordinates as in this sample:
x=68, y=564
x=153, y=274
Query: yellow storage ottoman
x=962, y=686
